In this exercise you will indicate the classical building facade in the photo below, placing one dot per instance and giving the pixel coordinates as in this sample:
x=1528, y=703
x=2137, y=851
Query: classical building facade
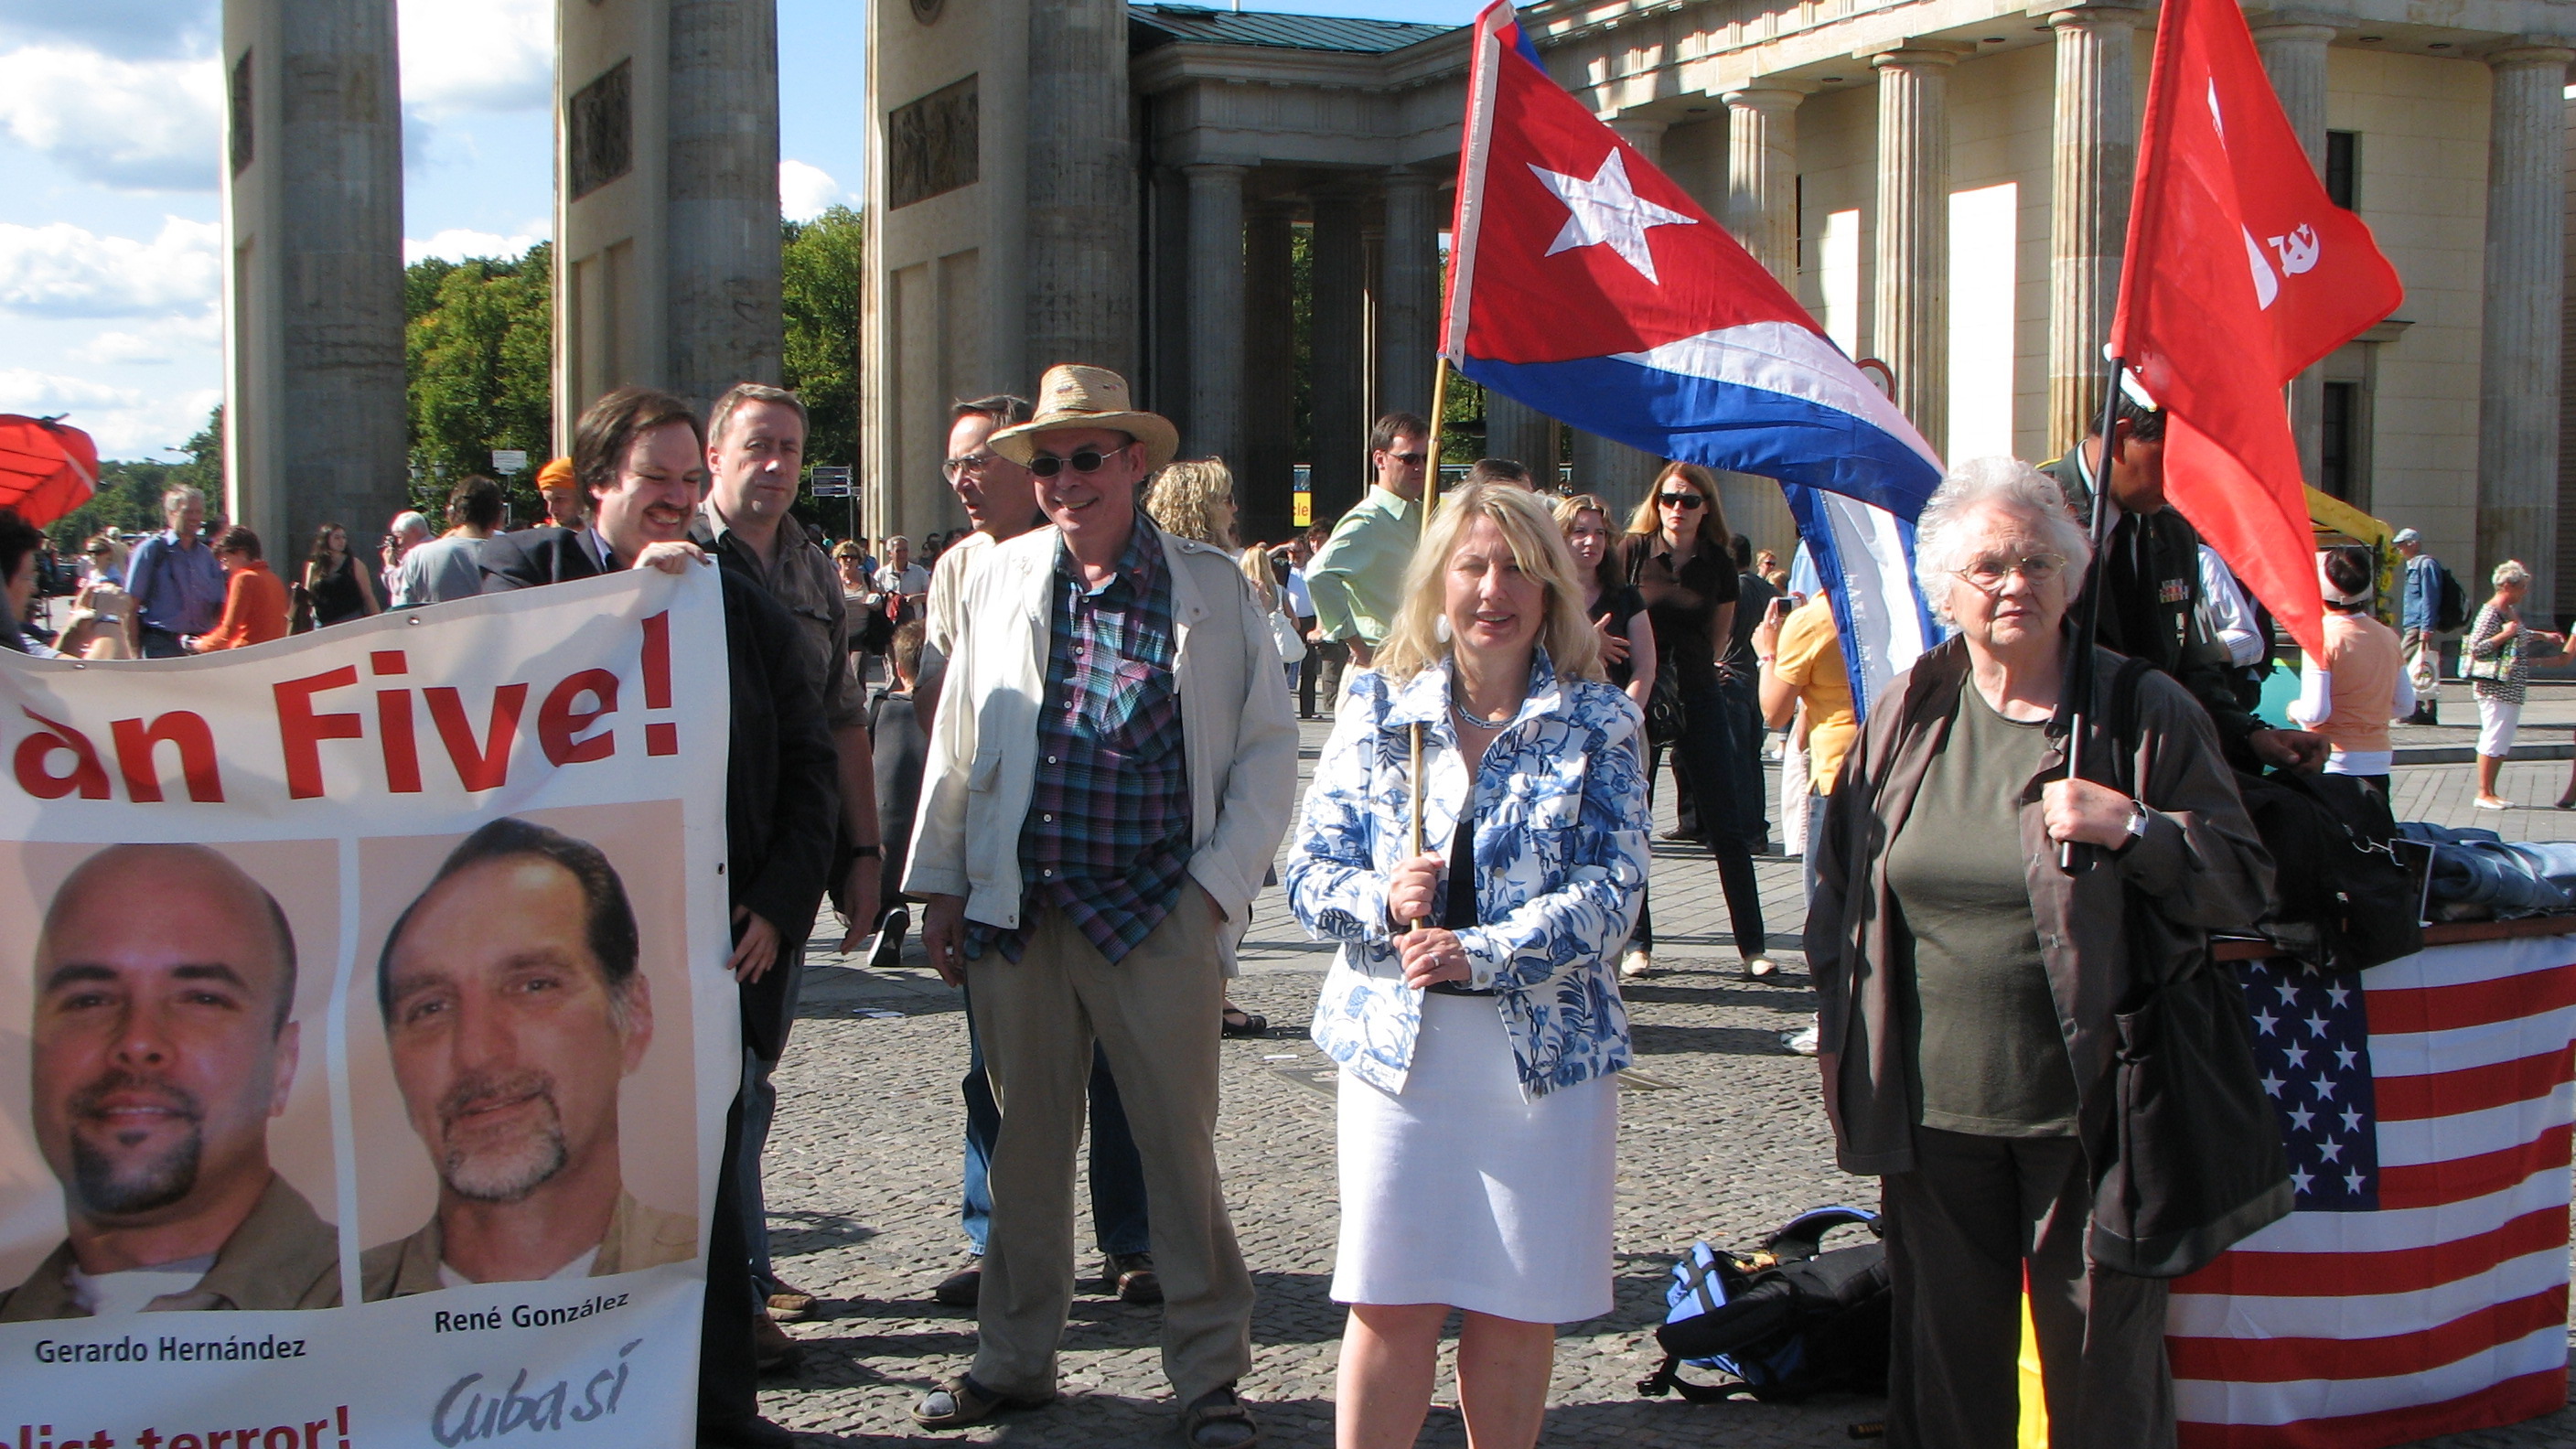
x=1944, y=183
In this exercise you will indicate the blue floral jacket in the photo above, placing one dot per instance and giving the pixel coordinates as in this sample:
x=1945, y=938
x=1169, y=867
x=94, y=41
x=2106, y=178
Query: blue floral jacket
x=1560, y=866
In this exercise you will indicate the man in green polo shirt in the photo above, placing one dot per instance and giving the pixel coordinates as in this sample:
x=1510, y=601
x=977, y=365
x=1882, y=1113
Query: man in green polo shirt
x=1357, y=578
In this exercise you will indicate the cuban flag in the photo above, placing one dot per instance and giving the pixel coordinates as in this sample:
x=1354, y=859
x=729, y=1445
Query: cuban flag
x=1586, y=284
x=2419, y=1287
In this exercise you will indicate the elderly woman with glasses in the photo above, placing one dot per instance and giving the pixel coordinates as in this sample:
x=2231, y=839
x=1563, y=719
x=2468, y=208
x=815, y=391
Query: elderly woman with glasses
x=1968, y=979
x=1473, y=1006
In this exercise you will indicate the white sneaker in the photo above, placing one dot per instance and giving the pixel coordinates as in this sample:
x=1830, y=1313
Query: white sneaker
x=1802, y=1042
x=1637, y=965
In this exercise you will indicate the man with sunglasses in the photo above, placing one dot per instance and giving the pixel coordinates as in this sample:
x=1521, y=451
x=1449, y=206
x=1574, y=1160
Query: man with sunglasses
x=1357, y=578
x=1111, y=768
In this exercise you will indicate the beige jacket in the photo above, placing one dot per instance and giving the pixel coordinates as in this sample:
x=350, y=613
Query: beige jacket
x=1240, y=732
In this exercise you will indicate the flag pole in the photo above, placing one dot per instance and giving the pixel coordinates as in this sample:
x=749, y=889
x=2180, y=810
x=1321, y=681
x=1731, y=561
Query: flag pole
x=1430, y=495
x=2088, y=609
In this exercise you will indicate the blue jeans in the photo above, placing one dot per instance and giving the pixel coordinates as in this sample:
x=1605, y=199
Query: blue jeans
x=1118, y=1221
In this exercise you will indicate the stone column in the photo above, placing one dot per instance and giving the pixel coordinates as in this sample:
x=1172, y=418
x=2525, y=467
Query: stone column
x=1618, y=473
x=1216, y=311
x=2518, y=377
x=1522, y=434
x=2294, y=55
x=1408, y=320
x=1081, y=221
x=1762, y=176
x=2094, y=156
x=1338, y=381
x=1913, y=253
x=1269, y=407
x=722, y=196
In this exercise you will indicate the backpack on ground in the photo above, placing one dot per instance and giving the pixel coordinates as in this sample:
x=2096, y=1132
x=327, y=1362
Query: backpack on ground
x=2450, y=601
x=1782, y=1323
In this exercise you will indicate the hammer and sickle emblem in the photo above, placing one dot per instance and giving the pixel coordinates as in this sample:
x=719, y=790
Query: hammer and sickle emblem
x=2298, y=250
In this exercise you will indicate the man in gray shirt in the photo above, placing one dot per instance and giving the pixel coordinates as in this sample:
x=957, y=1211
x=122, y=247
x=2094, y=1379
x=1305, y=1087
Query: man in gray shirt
x=450, y=567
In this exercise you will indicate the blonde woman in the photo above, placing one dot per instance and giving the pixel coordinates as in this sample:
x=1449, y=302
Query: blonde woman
x=1473, y=1006
x=103, y=623
x=1194, y=498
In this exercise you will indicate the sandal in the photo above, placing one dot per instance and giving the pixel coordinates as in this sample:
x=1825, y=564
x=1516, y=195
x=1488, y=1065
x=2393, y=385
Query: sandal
x=961, y=1401
x=1235, y=1021
x=1218, y=1419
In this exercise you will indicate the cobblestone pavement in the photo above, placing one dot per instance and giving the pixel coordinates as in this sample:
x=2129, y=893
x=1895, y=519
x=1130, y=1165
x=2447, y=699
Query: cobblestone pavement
x=1720, y=1138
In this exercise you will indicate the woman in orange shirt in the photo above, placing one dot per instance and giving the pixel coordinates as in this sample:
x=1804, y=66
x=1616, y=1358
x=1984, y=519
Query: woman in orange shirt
x=254, y=599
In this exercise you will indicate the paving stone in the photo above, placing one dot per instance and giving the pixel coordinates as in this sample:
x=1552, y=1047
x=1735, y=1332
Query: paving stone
x=863, y=1182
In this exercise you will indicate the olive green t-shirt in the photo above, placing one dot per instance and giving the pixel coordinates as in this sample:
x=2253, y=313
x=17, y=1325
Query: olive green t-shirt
x=1989, y=1055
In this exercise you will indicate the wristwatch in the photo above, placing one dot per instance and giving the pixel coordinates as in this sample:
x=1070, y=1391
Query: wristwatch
x=868, y=852
x=2137, y=825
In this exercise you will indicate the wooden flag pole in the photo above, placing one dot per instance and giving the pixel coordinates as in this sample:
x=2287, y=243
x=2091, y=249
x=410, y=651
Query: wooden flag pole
x=1430, y=495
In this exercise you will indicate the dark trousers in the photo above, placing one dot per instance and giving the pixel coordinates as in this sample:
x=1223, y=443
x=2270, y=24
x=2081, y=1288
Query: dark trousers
x=1332, y=658
x=161, y=644
x=1962, y=1227
x=1119, y=1224
x=1308, y=668
x=1708, y=762
x=728, y=1371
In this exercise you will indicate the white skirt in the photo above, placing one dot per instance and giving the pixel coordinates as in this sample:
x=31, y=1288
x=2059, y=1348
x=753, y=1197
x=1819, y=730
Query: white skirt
x=1460, y=1192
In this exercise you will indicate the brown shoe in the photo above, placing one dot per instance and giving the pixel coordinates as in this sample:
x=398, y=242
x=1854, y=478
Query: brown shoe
x=961, y=1288
x=772, y=1349
x=1132, y=1277
x=791, y=1304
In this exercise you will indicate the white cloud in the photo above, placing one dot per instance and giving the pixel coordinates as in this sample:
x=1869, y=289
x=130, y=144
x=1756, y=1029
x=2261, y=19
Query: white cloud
x=61, y=270
x=126, y=422
x=131, y=29
x=459, y=243
x=478, y=55
x=136, y=125
x=806, y=192
x=162, y=340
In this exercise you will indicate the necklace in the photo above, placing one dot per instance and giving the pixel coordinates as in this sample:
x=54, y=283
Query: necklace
x=1459, y=708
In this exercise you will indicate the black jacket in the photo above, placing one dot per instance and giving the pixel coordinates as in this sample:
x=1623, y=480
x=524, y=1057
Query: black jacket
x=782, y=782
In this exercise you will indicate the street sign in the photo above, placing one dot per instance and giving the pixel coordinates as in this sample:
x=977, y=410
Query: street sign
x=506, y=461
x=831, y=480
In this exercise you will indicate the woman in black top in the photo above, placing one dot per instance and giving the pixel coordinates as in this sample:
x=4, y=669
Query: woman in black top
x=1679, y=555
x=1618, y=611
x=338, y=588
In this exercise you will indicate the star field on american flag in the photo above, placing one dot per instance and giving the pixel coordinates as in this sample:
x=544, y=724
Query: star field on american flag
x=2312, y=1050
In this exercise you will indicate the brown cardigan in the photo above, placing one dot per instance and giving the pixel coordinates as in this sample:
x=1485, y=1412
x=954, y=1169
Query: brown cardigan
x=2200, y=862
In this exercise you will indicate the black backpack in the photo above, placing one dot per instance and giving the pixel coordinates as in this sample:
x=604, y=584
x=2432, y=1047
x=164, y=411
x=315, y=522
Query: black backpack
x=2344, y=899
x=1783, y=1323
x=2451, y=602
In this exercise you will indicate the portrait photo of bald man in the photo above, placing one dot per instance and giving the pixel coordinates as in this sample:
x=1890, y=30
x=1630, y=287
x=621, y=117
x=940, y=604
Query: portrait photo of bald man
x=514, y=1014
x=162, y=1046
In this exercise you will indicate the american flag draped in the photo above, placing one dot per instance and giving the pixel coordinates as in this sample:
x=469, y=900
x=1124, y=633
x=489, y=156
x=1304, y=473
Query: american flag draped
x=2420, y=1287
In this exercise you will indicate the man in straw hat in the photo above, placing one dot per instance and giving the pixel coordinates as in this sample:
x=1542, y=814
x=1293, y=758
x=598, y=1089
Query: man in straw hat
x=1143, y=761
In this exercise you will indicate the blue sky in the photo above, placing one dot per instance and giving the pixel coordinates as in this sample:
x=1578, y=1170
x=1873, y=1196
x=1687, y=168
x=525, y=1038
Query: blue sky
x=110, y=241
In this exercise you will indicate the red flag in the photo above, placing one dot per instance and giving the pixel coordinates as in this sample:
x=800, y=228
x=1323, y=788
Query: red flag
x=47, y=468
x=2240, y=273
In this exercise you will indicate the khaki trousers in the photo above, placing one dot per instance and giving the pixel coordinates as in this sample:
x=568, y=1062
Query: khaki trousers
x=1155, y=1014
x=1961, y=1227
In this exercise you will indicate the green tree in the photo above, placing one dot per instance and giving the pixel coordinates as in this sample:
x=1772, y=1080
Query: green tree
x=479, y=345
x=823, y=266
x=128, y=497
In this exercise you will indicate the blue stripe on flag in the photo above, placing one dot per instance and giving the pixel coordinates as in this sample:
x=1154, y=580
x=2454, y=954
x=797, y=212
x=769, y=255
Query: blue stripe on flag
x=1866, y=556
x=1723, y=425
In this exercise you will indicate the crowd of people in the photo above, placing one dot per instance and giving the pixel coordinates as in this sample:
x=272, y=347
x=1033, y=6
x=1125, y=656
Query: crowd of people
x=1081, y=767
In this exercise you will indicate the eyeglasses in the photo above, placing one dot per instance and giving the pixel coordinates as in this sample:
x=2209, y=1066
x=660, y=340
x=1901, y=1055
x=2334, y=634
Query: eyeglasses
x=974, y=463
x=1410, y=460
x=1988, y=574
x=1084, y=460
x=1684, y=501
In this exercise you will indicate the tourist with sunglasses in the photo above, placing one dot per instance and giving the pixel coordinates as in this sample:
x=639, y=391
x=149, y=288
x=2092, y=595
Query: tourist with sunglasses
x=1357, y=578
x=1111, y=767
x=1679, y=554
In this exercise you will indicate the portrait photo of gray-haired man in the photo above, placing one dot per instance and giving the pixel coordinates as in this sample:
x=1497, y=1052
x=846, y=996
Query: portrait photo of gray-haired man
x=514, y=1012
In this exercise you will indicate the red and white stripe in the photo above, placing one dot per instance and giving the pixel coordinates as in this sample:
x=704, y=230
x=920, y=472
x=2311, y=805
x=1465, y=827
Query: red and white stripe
x=2446, y=1310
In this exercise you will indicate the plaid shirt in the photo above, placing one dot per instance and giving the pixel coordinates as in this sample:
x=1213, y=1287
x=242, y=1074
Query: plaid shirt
x=1107, y=839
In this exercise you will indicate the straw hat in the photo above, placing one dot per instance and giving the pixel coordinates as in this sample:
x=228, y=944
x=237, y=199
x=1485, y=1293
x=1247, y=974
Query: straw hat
x=1074, y=396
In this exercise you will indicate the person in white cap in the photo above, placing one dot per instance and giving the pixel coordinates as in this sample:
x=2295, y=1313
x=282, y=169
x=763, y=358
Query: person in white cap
x=1111, y=769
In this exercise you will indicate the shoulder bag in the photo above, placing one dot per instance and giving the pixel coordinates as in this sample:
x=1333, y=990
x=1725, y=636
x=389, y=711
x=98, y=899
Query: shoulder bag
x=2194, y=1161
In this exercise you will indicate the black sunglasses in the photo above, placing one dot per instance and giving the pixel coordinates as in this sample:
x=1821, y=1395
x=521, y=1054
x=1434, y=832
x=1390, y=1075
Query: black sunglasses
x=1084, y=460
x=1680, y=500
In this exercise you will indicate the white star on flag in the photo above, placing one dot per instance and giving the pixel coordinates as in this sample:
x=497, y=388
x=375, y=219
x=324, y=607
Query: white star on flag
x=1606, y=210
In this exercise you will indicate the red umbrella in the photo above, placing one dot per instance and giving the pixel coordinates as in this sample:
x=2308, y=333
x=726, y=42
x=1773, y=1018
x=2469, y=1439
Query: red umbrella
x=47, y=469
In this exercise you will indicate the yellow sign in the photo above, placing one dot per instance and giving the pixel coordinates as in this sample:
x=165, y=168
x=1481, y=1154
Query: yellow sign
x=1301, y=510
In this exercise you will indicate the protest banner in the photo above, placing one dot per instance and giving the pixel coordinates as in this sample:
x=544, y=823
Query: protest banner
x=364, y=1039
